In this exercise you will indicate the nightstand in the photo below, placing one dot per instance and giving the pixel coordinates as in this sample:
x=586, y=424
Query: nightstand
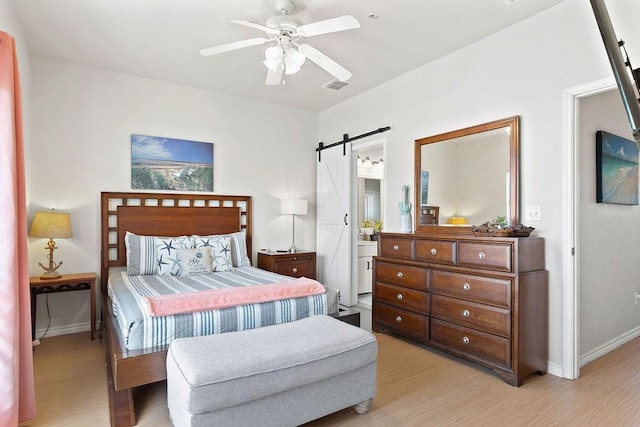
x=68, y=282
x=296, y=264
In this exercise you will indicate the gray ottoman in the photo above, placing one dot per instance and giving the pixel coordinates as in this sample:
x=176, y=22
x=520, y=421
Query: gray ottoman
x=282, y=375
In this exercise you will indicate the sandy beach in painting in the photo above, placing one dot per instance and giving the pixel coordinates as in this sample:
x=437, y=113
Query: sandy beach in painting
x=622, y=188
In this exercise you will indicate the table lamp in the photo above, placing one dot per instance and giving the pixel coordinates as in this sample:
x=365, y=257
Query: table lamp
x=50, y=225
x=293, y=207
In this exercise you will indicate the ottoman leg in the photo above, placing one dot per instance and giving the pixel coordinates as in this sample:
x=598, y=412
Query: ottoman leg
x=363, y=407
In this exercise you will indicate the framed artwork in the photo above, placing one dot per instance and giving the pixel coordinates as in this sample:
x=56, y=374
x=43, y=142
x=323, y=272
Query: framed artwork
x=616, y=169
x=159, y=163
x=424, y=187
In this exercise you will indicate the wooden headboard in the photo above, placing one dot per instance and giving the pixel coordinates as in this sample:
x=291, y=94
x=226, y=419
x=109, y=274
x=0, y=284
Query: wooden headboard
x=166, y=214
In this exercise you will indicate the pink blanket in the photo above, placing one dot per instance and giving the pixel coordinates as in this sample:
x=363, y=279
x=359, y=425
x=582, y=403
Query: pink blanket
x=166, y=305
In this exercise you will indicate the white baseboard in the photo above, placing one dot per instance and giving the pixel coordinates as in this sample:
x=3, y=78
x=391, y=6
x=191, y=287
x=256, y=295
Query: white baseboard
x=64, y=330
x=554, y=369
x=600, y=351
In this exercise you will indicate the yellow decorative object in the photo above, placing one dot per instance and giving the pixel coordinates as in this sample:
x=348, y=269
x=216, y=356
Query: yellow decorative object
x=458, y=220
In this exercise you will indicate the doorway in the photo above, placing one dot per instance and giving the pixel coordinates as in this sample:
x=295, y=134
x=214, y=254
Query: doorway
x=571, y=243
x=369, y=208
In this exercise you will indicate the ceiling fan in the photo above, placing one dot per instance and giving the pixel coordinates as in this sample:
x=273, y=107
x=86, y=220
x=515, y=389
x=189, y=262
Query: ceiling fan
x=286, y=55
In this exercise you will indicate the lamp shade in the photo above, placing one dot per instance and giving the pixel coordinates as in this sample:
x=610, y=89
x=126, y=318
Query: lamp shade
x=293, y=206
x=48, y=225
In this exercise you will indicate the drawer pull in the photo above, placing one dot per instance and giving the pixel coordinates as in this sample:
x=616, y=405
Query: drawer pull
x=466, y=313
x=465, y=340
x=466, y=286
x=398, y=319
x=295, y=270
x=399, y=274
x=396, y=247
x=433, y=251
x=481, y=255
x=399, y=296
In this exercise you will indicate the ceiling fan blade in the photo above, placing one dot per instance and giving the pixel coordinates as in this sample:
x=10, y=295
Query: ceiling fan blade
x=264, y=28
x=323, y=61
x=232, y=46
x=341, y=23
x=274, y=78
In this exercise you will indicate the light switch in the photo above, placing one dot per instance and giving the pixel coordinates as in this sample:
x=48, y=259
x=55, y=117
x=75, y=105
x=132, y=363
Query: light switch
x=534, y=213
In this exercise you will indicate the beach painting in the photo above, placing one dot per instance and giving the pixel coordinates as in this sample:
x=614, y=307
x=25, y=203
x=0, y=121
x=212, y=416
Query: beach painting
x=616, y=169
x=159, y=163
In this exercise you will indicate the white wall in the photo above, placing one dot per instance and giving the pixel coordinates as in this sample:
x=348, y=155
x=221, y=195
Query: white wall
x=609, y=236
x=80, y=146
x=523, y=71
x=9, y=24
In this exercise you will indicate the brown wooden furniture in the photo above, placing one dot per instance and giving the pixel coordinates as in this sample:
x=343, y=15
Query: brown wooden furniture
x=429, y=215
x=299, y=264
x=65, y=283
x=483, y=299
x=153, y=214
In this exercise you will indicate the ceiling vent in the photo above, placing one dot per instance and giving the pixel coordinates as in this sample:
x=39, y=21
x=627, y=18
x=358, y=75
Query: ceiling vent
x=336, y=85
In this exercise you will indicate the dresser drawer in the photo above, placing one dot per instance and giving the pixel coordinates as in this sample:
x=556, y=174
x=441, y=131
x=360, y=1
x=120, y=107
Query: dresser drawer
x=396, y=248
x=402, y=321
x=487, y=318
x=295, y=268
x=485, y=255
x=403, y=298
x=402, y=275
x=487, y=290
x=486, y=346
x=439, y=251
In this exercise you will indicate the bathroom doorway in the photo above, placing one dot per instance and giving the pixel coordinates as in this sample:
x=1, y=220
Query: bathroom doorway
x=370, y=212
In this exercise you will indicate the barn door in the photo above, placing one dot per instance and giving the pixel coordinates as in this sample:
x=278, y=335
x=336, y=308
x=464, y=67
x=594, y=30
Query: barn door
x=334, y=222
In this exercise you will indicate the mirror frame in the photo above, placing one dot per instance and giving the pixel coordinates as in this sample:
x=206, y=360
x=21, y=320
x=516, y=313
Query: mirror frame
x=514, y=155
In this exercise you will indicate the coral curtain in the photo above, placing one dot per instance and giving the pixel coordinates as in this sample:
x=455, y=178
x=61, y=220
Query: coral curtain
x=17, y=390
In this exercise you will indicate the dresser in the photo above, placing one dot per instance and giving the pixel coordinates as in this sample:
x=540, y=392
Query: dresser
x=483, y=299
x=298, y=264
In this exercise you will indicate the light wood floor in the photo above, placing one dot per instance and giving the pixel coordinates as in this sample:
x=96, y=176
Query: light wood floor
x=416, y=387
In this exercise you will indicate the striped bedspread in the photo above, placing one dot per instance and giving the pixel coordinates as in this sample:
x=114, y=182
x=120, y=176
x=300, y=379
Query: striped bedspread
x=140, y=330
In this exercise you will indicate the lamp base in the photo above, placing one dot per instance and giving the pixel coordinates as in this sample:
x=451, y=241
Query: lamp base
x=50, y=272
x=50, y=275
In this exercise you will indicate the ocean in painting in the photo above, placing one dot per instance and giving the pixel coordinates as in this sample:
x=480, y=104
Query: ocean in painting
x=618, y=174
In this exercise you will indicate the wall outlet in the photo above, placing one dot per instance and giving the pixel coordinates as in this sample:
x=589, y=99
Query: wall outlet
x=637, y=297
x=534, y=213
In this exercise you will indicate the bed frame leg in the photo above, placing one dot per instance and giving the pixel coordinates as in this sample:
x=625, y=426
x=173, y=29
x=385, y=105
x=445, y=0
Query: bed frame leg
x=121, y=409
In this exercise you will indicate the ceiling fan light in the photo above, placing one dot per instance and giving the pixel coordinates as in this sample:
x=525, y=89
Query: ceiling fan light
x=295, y=57
x=289, y=69
x=274, y=53
x=272, y=64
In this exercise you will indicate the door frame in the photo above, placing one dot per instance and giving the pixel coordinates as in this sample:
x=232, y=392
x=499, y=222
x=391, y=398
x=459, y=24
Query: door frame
x=571, y=223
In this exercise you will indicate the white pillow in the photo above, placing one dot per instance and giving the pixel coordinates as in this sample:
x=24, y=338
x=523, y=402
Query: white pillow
x=195, y=261
x=167, y=259
x=239, y=257
x=220, y=250
x=141, y=254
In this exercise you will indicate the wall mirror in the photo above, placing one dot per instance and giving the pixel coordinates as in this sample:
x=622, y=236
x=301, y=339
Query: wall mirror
x=469, y=176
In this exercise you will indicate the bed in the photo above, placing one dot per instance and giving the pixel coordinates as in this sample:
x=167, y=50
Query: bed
x=135, y=353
